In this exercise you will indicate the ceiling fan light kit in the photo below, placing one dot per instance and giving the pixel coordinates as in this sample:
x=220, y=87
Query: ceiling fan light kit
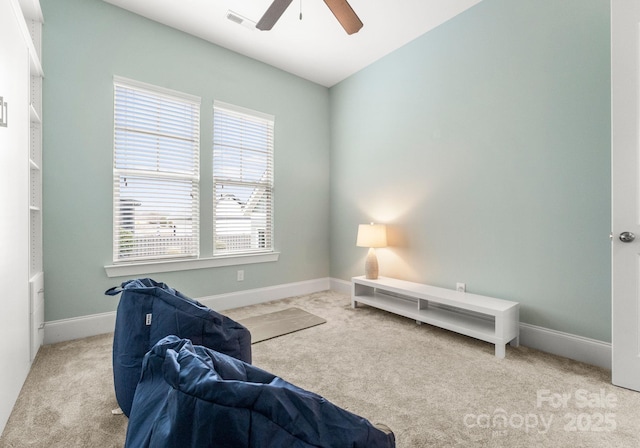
x=241, y=20
x=340, y=9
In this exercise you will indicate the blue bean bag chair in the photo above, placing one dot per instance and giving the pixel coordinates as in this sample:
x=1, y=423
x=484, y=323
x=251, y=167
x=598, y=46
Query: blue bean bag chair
x=192, y=396
x=148, y=311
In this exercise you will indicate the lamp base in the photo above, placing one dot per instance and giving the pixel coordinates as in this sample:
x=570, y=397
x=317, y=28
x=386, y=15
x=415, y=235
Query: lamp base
x=371, y=265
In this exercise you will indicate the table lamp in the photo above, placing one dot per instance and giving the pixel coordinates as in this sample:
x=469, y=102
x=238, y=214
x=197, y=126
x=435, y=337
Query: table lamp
x=371, y=236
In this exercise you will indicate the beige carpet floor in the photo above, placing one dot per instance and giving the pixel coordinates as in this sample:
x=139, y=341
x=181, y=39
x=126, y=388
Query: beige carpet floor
x=433, y=388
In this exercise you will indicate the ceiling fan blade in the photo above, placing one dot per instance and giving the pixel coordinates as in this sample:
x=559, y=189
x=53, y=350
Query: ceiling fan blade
x=345, y=15
x=272, y=15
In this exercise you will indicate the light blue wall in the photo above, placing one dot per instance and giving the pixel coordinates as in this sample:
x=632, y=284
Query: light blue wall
x=485, y=146
x=86, y=43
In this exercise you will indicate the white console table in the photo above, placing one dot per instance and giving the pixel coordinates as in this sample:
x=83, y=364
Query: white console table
x=492, y=320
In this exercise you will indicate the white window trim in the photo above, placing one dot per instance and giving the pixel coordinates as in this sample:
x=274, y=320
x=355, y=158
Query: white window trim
x=124, y=269
x=244, y=110
x=130, y=269
x=156, y=89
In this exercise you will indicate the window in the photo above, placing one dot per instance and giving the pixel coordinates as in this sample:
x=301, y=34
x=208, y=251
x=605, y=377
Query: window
x=243, y=180
x=155, y=173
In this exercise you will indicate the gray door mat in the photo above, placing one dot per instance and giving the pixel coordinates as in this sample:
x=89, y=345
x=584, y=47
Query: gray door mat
x=279, y=323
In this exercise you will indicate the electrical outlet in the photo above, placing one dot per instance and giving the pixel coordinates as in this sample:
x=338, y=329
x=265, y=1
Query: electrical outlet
x=461, y=287
x=240, y=275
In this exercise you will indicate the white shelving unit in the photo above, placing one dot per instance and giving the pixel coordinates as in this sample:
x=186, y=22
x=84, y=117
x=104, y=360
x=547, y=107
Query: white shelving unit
x=33, y=19
x=492, y=320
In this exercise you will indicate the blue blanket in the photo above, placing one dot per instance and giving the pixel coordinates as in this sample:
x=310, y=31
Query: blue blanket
x=191, y=396
x=147, y=312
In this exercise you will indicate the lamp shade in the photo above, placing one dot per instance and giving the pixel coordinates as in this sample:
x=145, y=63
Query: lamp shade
x=372, y=235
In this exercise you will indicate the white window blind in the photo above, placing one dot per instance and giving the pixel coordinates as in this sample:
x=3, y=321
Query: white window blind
x=155, y=173
x=243, y=180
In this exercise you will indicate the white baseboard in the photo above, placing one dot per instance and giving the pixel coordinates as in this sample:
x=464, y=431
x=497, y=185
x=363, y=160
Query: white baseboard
x=78, y=327
x=341, y=286
x=589, y=351
x=95, y=324
x=238, y=299
x=579, y=348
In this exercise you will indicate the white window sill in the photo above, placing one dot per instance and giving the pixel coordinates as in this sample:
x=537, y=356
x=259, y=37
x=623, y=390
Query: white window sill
x=135, y=269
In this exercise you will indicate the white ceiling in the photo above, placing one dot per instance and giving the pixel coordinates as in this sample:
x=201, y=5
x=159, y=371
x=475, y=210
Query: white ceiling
x=315, y=48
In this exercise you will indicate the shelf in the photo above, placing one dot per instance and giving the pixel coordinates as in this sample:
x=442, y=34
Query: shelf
x=450, y=297
x=36, y=66
x=35, y=117
x=35, y=95
x=31, y=28
x=397, y=305
x=37, y=277
x=476, y=327
x=26, y=33
x=34, y=59
x=486, y=318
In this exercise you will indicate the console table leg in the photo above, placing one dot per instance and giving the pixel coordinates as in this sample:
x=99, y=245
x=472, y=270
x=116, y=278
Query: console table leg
x=501, y=350
x=515, y=342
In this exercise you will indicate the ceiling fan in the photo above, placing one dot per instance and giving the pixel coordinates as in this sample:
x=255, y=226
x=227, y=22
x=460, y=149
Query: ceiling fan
x=340, y=8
